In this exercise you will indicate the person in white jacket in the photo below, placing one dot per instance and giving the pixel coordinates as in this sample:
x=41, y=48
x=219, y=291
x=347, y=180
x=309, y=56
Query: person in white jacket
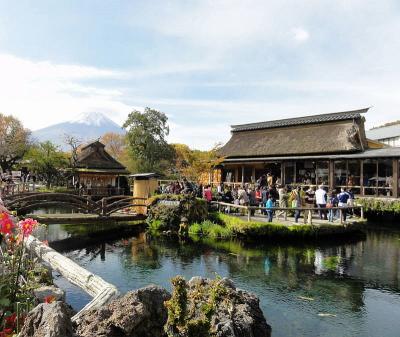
x=320, y=198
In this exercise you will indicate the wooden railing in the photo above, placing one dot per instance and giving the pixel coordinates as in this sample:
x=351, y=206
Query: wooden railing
x=17, y=188
x=249, y=210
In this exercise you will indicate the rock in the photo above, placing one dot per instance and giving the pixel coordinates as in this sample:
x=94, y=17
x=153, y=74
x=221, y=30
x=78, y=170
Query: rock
x=48, y=320
x=238, y=313
x=139, y=313
x=46, y=291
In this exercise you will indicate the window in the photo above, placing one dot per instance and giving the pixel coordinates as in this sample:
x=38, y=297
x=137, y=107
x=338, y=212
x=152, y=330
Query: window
x=340, y=173
x=305, y=172
x=370, y=169
x=290, y=173
x=322, y=173
x=385, y=178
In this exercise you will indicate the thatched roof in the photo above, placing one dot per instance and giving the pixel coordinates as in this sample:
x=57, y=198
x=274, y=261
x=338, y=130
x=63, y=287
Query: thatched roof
x=94, y=156
x=330, y=133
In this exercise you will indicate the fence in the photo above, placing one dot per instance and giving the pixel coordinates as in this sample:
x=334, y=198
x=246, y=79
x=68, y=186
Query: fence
x=17, y=188
x=249, y=210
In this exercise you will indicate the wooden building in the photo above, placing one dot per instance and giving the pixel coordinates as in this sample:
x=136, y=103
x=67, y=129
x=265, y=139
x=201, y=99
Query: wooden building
x=330, y=149
x=98, y=173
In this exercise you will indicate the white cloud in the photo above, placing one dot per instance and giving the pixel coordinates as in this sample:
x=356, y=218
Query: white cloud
x=300, y=35
x=43, y=93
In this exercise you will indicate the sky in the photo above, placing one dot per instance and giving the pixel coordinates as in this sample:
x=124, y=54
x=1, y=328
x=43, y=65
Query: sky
x=206, y=64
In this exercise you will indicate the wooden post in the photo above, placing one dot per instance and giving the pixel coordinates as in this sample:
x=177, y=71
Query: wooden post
x=310, y=214
x=104, y=206
x=362, y=192
x=253, y=175
x=248, y=214
x=242, y=174
x=331, y=179
x=341, y=215
x=285, y=215
x=362, y=212
x=395, y=175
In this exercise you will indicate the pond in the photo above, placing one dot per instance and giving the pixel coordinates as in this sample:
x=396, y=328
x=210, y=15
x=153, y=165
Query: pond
x=337, y=288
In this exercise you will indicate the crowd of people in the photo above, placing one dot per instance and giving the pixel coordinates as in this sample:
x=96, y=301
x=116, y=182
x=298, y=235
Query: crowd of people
x=272, y=196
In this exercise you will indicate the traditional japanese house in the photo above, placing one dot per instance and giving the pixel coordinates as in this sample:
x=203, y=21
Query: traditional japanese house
x=330, y=149
x=98, y=173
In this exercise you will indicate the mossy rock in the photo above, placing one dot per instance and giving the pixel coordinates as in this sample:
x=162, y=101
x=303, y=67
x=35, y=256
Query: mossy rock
x=168, y=217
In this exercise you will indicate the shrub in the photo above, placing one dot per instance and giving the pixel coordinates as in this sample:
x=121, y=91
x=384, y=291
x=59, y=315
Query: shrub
x=194, y=209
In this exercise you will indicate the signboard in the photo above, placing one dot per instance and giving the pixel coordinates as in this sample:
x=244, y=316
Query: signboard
x=16, y=174
x=170, y=203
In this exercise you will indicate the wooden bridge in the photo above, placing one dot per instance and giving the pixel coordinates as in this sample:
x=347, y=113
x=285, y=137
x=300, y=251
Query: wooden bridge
x=25, y=202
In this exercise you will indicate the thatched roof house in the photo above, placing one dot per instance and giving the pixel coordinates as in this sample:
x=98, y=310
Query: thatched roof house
x=330, y=149
x=97, y=171
x=93, y=156
x=340, y=132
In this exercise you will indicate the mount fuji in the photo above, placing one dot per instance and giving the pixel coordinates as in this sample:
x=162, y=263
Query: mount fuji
x=86, y=127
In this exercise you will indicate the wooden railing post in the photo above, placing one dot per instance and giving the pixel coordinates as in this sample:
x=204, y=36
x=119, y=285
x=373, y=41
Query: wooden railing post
x=362, y=212
x=104, y=206
x=341, y=215
x=248, y=214
x=309, y=216
x=285, y=215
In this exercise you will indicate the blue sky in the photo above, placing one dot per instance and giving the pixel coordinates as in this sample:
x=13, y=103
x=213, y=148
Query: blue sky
x=207, y=64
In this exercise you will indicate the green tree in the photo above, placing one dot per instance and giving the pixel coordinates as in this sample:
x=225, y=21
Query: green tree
x=195, y=164
x=146, y=135
x=14, y=141
x=47, y=161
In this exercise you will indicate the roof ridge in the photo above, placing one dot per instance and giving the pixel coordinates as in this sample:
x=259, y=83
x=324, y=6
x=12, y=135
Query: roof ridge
x=299, y=120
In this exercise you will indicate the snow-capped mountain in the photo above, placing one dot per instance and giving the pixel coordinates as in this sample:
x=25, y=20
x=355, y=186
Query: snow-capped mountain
x=86, y=127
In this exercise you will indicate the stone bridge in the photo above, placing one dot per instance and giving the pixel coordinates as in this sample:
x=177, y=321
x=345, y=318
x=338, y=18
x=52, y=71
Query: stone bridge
x=33, y=200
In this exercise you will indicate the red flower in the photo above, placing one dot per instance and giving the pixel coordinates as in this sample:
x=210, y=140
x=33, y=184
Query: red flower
x=8, y=332
x=10, y=321
x=27, y=226
x=6, y=223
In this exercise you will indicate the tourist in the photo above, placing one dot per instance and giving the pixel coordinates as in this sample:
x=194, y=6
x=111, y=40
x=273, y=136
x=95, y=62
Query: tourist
x=270, y=179
x=207, y=194
x=252, y=199
x=243, y=197
x=321, y=198
x=343, y=197
x=264, y=197
x=296, y=202
x=283, y=199
x=200, y=191
x=350, y=203
x=261, y=182
x=310, y=201
x=270, y=208
x=332, y=202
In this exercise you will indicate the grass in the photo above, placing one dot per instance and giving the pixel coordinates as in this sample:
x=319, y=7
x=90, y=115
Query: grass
x=209, y=228
x=221, y=225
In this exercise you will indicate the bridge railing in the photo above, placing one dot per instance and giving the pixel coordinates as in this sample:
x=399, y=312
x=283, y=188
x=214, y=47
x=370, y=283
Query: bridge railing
x=250, y=210
x=17, y=188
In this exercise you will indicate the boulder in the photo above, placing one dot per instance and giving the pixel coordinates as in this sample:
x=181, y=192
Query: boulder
x=238, y=313
x=48, y=320
x=44, y=292
x=139, y=313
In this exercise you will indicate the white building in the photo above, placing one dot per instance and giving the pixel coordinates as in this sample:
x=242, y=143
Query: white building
x=389, y=135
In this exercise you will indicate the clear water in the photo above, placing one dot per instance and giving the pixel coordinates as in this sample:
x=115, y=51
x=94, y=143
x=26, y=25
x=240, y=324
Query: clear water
x=332, y=289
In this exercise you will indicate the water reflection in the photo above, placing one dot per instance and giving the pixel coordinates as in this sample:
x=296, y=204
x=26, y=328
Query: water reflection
x=331, y=289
